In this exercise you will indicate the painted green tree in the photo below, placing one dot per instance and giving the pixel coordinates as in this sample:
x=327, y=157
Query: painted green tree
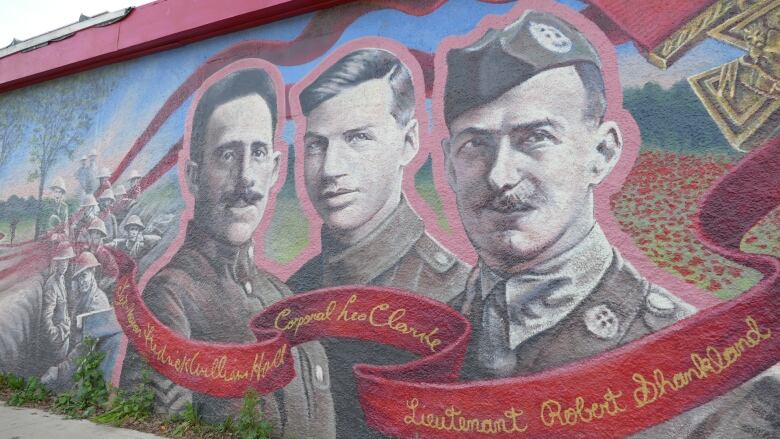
x=11, y=126
x=60, y=114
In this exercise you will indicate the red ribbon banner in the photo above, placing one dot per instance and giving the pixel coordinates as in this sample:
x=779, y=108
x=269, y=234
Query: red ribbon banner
x=613, y=394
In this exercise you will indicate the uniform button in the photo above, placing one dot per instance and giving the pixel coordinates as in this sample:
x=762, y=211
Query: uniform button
x=602, y=322
x=319, y=374
x=659, y=304
x=248, y=287
x=441, y=258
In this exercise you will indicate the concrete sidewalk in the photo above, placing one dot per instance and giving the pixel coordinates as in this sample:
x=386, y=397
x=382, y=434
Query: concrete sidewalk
x=25, y=423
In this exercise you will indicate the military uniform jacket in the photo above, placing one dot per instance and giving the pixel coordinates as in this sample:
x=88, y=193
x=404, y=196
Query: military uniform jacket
x=748, y=411
x=56, y=321
x=59, y=218
x=398, y=254
x=632, y=300
x=209, y=291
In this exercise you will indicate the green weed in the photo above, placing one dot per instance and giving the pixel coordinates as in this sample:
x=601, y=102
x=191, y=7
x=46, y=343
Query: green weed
x=250, y=423
x=188, y=420
x=134, y=405
x=25, y=392
x=90, y=392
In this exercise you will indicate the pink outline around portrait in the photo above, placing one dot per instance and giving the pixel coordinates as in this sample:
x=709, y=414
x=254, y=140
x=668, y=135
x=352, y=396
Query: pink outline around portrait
x=615, y=112
x=461, y=247
x=189, y=202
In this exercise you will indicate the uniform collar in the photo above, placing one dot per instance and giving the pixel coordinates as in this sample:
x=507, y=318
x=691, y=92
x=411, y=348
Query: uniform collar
x=238, y=259
x=380, y=250
x=543, y=295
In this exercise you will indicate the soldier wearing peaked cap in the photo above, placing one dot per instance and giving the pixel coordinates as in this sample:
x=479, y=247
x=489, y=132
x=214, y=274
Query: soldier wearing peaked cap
x=525, y=107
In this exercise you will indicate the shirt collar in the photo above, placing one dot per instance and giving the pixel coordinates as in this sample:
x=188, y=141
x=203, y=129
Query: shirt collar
x=374, y=254
x=543, y=295
x=237, y=258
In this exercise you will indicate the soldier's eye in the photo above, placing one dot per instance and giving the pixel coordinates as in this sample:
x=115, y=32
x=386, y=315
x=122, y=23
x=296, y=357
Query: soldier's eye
x=227, y=155
x=360, y=136
x=315, y=147
x=259, y=151
x=476, y=143
x=539, y=138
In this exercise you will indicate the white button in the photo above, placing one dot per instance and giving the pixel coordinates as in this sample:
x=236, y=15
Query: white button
x=601, y=322
x=659, y=304
x=319, y=374
x=248, y=287
x=441, y=258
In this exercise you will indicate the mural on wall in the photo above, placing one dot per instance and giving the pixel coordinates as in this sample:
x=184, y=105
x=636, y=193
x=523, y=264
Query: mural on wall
x=414, y=219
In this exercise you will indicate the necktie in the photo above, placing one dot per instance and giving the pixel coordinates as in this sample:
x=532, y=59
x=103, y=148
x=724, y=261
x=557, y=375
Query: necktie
x=493, y=351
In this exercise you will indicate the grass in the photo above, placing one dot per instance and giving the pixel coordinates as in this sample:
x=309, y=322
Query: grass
x=25, y=230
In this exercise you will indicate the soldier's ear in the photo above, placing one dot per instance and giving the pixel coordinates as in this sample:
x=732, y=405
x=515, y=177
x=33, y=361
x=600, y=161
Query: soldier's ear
x=448, y=167
x=276, y=157
x=411, y=142
x=192, y=177
x=607, y=152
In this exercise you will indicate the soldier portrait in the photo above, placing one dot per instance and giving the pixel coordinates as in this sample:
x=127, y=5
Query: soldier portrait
x=361, y=132
x=525, y=151
x=231, y=168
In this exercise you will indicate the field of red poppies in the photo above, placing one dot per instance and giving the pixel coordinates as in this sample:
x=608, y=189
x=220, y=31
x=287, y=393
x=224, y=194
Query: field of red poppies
x=656, y=206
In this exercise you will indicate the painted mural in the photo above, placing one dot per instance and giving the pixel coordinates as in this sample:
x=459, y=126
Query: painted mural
x=417, y=219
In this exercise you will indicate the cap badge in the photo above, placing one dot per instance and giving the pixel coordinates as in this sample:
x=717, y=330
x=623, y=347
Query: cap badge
x=550, y=38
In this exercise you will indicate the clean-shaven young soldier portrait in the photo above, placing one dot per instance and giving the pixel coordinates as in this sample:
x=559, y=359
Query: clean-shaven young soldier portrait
x=212, y=287
x=528, y=143
x=361, y=132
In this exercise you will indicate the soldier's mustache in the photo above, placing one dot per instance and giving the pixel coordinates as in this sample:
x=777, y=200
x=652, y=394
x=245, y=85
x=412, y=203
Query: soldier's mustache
x=521, y=197
x=241, y=197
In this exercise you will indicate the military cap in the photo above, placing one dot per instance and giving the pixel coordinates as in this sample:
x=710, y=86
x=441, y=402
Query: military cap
x=99, y=225
x=88, y=200
x=59, y=183
x=503, y=59
x=84, y=261
x=120, y=190
x=107, y=194
x=134, y=174
x=134, y=220
x=64, y=251
x=104, y=172
x=93, y=153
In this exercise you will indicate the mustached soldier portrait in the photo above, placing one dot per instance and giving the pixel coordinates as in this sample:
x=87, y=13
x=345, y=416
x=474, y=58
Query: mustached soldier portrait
x=212, y=286
x=528, y=144
x=361, y=133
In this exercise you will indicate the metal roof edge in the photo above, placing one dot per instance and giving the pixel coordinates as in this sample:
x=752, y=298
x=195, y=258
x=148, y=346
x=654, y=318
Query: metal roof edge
x=146, y=29
x=33, y=43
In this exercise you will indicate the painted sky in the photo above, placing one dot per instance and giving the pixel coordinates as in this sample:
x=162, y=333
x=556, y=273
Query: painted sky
x=144, y=84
